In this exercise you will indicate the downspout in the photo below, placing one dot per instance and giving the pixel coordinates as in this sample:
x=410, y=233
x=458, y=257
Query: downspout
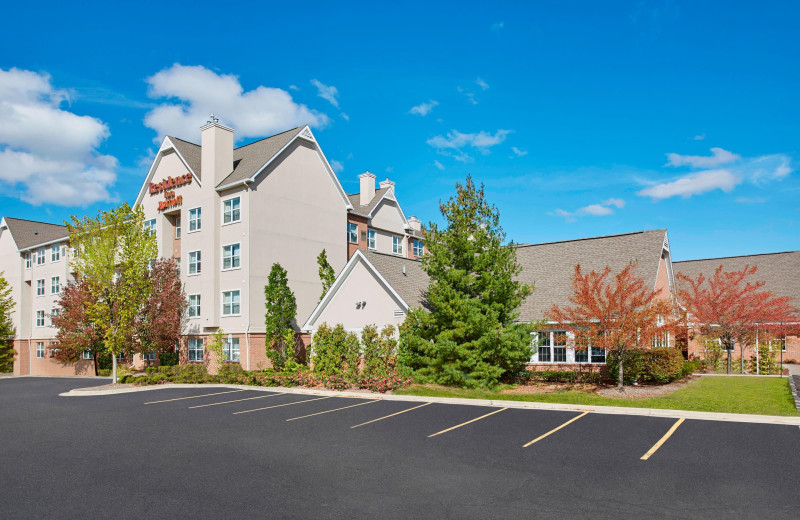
x=249, y=268
x=247, y=343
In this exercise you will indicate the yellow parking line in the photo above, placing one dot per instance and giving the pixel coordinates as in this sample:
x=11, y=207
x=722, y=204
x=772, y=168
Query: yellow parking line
x=238, y=400
x=387, y=416
x=466, y=423
x=537, y=439
x=334, y=410
x=193, y=397
x=285, y=404
x=663, y=439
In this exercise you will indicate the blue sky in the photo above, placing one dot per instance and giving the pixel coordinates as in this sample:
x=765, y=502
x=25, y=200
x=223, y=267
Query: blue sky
x=581, y=118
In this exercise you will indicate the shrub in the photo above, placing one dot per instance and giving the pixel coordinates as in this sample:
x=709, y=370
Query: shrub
x=380, y=351
x=335, y=351
x=767, y=363
x=168, y=359
x=384, y=383
x=558, y=376
x=658, y=365
x=336, y=382
x=104, y=362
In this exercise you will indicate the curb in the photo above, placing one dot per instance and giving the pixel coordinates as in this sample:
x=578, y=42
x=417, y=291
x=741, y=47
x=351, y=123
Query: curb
x=526, y=405
x=793, y=382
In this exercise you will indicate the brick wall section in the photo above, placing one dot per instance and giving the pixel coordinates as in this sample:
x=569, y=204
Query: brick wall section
x=26, y=363
x=361, y=222
x=792, y=351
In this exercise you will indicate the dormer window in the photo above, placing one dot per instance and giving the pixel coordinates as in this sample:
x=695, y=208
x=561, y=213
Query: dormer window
x=397, y=245
x=231, y=211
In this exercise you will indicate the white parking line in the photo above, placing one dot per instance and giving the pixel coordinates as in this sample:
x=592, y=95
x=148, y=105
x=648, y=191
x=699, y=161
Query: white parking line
x=238, y=400
x=193, y=397
x=334, y=410
x=285, y=404
x=387, y=416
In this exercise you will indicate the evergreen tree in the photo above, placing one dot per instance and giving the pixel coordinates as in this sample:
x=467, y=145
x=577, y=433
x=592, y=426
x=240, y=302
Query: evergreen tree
x=281, y=310
x=467, y=335
x=7, y=331
x=326, y=273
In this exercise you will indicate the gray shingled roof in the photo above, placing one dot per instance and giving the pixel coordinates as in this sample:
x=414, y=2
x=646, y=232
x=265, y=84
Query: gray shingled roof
x=551, y=266
x=29, y=233
x=247, y=159
x=355, y=200
x=548, y=266
x=779, y=271
x=411, y=285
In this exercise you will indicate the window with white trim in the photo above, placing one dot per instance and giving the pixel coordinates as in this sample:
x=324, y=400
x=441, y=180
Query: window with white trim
x=352, y=233
x=53, y=314
x=149, y=356
x=397, y=245
x=40, y=257
x=231, y=301
x=40, y=318
x=86, y=354
x=231, y=256
x=55, y=285
x=150, y=225
x=194, y=262
x=40, y=287
x=178, y=265
x=40, y=349
x=778, y=344
x=178, y=227
x=231, y=211
x=195, y=349
x=194, y=306
x=371, y=238
x=55, y=253
x=417, y=248
x=231, y=352
x=194, y=220
x=27, y=260
x=53, y=352
x=552, y=346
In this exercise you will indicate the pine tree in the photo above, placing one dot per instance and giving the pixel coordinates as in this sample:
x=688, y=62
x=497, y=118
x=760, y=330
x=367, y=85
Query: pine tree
x=467, y=335
x=326, y=273
x=281, y=309
x=7, y=331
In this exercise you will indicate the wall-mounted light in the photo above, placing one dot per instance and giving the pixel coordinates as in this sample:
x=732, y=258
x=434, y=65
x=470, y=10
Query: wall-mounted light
x=361, y=305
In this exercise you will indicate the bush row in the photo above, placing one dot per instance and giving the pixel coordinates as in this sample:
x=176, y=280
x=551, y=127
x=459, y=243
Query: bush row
x=658, y=365
x=558, y=376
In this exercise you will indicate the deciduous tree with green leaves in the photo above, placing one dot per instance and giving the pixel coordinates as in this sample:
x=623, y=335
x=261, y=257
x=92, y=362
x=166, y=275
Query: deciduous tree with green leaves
x=113, y=254
x=281, y=310
x=326, y=273
x=466, y=335
x=7, y=331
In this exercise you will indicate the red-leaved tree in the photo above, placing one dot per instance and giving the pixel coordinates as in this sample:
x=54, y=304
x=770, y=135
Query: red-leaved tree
x=615, y=313
x=158, y=327
x=76, y=332
x=729, y=306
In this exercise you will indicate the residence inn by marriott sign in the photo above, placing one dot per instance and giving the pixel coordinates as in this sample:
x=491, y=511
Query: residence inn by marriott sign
x=167, y=185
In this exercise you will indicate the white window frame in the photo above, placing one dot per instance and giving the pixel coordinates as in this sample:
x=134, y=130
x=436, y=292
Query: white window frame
x=228, y=351
x=397, y=244
x=352, y=233
x=593, y=354
x=40, y=318
x=195, y=219
x=40, y=350
x=28, y=261
x=55, y=284
x=178, y=227
x=415, y=246
x=198, y=263
x=40, y=256
x=231, y=212
x=196, y=348
x=86, y=354
x=193, y=305
x=55, y=253
x=237, y=257
x=40, y=287
x=151, y=225
x=53, y=313
x=232, y=303
x=371, y=243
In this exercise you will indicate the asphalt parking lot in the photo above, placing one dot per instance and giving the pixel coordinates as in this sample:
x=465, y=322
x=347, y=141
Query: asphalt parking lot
x=239, y=454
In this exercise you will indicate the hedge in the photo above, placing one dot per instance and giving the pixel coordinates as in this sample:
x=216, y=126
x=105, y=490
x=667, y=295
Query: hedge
x=658, y=365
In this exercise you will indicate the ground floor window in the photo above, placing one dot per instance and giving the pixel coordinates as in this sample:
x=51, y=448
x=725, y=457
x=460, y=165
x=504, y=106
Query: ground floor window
x=86, y=354
x=195, y=349
x=231, y=351
x=40, y=349
x=149, y=356
x=551, y=347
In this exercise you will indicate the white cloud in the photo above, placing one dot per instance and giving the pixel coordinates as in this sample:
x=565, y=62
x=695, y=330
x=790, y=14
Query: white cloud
x=337, y=166
x=470, y=95
x=518, y=152
x=345, y=116
x=327, y=92
x=592, y=210
x=438, y=165
x=194, y=92
x=718, y=157
x=453, y=143
x=693, y=184
x=50, y=153
x=482, y=84
x=423, y=109
x=699, y=137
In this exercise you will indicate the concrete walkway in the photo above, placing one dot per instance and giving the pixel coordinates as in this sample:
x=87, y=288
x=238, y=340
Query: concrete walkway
x=364, y=394
x=794, y=382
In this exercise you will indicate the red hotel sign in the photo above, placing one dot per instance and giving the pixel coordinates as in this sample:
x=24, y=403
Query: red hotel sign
x=166, y=186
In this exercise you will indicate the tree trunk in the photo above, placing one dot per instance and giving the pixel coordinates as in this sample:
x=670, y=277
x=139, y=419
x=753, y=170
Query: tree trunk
x=114, y=367
x=729, y=358
x=96, y=365
x=619, y=376
x=741, y=360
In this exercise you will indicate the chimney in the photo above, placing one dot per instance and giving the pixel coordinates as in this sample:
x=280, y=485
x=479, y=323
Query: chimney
x=216, y=152
x=415, y=223
x=367, y=192
x=387, y=183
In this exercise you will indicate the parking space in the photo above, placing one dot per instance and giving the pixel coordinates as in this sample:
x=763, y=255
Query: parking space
x=305, y=455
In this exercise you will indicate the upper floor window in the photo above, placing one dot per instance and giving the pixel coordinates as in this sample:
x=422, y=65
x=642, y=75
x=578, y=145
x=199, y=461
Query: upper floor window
x=177, y=227
x=230, y=211
x=417, y=248
x=194, y=305
x=55, y=253
x=40, y=318
x=194, y=220
x=194, y=262
x=150, y=225
x=397, y=245
x=352, y=233
x=27, y=260
x=371, y=239
x=53, y=314
x=40, y=287
x=231, y=258
x=231, y=303
x=55, y=285
x=40, y=257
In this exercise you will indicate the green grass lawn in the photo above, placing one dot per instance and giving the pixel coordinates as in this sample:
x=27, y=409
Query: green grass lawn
x=764, y=396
